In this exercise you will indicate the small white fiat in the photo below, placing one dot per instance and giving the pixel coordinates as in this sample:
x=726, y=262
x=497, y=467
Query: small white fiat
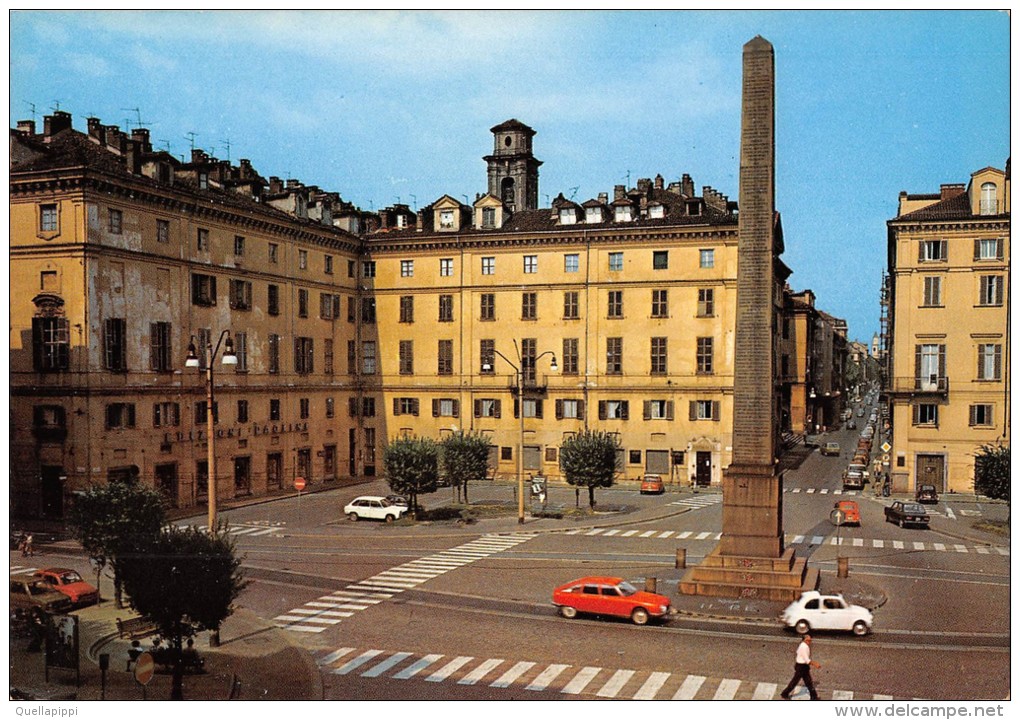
x=373, y=507
x=815, y=611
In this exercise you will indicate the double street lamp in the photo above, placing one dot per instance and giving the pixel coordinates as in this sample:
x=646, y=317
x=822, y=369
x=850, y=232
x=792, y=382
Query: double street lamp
x=519, y=374
x=193, y=361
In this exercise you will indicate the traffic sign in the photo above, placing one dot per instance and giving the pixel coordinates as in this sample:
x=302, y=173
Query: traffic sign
x=886, y=447
x=145, y=666
x=837, y=517
x=299, y=484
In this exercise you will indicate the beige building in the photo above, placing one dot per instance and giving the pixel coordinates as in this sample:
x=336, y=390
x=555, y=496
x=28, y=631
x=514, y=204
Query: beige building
x=351, y=328
x=947, y=373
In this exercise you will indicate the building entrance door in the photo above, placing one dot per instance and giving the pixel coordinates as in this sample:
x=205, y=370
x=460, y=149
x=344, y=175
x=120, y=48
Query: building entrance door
x=931, y=470
x=274, y=471
x=166, y=483
x=703, y=469
x=52, y=491
x=242, y=476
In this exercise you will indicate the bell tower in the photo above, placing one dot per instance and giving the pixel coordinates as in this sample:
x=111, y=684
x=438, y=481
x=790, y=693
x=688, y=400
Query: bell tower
x=513, y=169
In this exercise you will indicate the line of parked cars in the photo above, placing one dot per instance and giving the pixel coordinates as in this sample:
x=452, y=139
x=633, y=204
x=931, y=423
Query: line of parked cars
x=52, y=590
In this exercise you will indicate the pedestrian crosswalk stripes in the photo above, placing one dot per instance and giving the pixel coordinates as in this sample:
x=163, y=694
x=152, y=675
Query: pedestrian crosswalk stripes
x=326, y=611
x=559, y=678
x=873, y=543
x=22, y=570
x=699, y=501
x=246, y=530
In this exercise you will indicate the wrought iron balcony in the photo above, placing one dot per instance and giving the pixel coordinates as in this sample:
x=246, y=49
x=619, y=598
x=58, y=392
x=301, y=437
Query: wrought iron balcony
x=927, y=385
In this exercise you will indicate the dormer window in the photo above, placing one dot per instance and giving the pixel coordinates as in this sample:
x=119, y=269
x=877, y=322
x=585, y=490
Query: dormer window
x=203, y=181
x=401, y=221
x=623, y=213
x=656, y=211
x=989, y=199
x=446, y=220
x=568, y=216
x=489, y=217
x=593, y=215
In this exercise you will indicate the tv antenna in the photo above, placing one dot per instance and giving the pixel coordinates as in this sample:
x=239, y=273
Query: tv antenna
x=227, y=144
x=414, y=199
x=56, y=106
x=191, y=138
x=138, y=116
x=573, y=191
x=31, y=106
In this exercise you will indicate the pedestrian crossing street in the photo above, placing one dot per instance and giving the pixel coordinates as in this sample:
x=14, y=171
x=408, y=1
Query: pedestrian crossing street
x=320, y=614
x=561, y=679
x=798, y=540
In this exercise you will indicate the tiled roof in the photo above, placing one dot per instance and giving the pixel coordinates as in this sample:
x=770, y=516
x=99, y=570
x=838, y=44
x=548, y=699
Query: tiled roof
x=512, y=124
x=954, y=208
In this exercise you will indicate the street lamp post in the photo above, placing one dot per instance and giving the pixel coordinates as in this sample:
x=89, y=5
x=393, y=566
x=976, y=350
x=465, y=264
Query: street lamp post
x=519, y=374
x=192, y=361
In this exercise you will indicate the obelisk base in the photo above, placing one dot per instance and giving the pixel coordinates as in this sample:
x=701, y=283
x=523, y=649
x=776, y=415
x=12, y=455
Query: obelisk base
x=750, y=560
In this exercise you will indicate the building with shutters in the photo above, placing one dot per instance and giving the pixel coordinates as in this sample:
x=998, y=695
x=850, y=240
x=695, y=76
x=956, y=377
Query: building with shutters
x=351, y=327
x=947, y=363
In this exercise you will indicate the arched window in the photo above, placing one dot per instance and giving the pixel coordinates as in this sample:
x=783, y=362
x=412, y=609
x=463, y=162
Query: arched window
x=989, y=199
x=508, y=191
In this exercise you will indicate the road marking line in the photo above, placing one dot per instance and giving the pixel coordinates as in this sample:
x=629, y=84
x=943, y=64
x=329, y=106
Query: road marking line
x=842, y=695
x=580, y=681
x=629, y=533
x=685, y=534
x=795, y=490
x=545, y=677
x=507, y=678
x=412, y=670
x=687, y=691
x=1002, y=550
x=940, y=547
x=607, y=533
x=665, y=534
x=824, y=491
x=950, y=514
x=615, y=684
x=897, y=544
x=647, y=533
x=798, y=539
x=727, y=689
x=858, y=542
x=335, y=655
x=960, y=548
x=810, y=490
x=270, y=531
x=386, y=664
x=817, y=540
x=702, y=536
x=596, y=531
x=878, y=543
x=764, y=691
x=299, y=628
x=981, y=550
x=479, y=672
x=357, y=662
x=882, y=697
x=652, y=686
x=449, y=669
x=319, y=613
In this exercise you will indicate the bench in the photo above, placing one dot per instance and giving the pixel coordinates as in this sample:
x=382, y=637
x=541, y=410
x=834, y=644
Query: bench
x=136, y=627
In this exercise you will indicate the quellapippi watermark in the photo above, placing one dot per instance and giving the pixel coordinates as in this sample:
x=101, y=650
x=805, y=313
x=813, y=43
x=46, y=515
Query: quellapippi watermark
x=44, y=711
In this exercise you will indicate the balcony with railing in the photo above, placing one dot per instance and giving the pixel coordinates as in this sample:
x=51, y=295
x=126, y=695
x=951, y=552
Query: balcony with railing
x=926, y=385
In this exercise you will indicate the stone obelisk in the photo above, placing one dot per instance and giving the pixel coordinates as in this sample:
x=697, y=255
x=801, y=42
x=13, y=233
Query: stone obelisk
x=751, y=560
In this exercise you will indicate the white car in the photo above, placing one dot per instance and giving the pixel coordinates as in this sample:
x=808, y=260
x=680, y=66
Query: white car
x=373, y=508
x=815, y=611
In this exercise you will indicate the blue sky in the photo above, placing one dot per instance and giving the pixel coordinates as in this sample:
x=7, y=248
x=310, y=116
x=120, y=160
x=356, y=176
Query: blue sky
x=388, y=106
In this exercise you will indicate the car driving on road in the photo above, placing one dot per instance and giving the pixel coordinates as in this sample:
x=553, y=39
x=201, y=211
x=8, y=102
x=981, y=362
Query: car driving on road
x=903, y=514
x=609, y=596
x=29, y=594
x=815, y=611
x=70, y=583
x=373, y=507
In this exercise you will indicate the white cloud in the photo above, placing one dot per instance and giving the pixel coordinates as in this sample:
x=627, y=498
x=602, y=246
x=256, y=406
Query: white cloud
x=88, y=65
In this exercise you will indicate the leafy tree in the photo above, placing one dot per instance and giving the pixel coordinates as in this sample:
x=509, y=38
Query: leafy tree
x=108, y=518
x=464, y=457
x=185, y=581
x=412, y=467
x=991, y=472
x=589, y=459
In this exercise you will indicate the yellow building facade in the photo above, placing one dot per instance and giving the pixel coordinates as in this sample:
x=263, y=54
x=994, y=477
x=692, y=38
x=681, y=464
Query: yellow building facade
x=122, y=258
x=947, y=374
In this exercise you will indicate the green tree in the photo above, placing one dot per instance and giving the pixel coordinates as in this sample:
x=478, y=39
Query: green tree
x=991, y=472
x=106, y=519
x=589, y=459
x=185, y=581
x=464, y=457
x=412, y=467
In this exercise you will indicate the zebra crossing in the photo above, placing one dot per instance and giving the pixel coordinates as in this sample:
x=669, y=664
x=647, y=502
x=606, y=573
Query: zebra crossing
x=822, y=491
x=873, y=543
x=699, y=501
x=324, y=612
x=21, y=570
x=250, y=530
x=558, y=678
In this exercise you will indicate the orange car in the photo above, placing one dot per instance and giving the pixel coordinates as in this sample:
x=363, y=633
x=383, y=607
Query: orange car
x=609, y=596
x=70, y=583
x=652, y=484
x=851, y=512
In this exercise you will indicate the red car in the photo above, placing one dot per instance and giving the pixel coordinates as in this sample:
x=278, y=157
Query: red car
x=652, y=484
x=609, y=596
x=70, y=583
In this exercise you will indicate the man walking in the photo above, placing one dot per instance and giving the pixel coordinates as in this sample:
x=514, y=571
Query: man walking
x=802, y=670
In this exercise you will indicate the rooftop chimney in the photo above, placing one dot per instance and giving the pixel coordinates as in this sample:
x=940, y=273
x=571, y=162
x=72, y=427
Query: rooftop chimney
x=141, y=136
x=687, y=186
x=952, y=190
x=604, y=198
x=26, y=126
x=96, y=130
x=660, y=183
x=619, y=192
x=55, y=123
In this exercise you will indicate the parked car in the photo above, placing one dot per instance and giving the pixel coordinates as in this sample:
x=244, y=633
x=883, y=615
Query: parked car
x=851, y=512
x=853, y=479
x=812, y=441
x=397, y=500
x=852, y=425
x=70, y=583
x=29, y=594
x=814, y=611
x=903, y=514
x=652, y=485
x=373, y=508
x=926, y=494
x=830, y=448
x=609, y=596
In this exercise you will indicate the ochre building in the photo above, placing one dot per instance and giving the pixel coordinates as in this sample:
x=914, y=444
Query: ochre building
x=947, y=372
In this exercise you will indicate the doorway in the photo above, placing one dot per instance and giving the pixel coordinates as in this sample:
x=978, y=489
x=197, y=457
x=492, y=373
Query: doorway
x=166, y=483
x=703, y=469
x=242, y=476
x=931, y=470
x=274, y=471
x=52, y=491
